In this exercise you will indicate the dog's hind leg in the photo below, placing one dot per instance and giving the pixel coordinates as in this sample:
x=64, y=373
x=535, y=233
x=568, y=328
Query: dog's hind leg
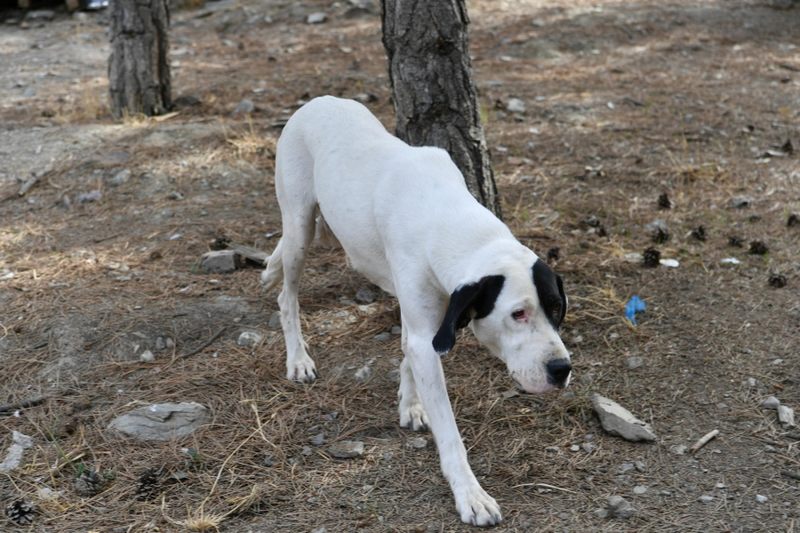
x=412, y=414
x=295, y=190
x=274, y=271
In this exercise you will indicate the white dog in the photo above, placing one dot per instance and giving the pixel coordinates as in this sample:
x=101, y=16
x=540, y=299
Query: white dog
x=407, y=222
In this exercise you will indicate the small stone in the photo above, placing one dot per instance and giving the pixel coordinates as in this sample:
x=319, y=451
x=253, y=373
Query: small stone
x=678, y=449
x=634, y=362
x=316, y=18
x=397, y=330
x=246, y=106
x=363, y=374
x=669, y=263
x=639, y=490
x=640, y=466
x=619, y=507
x=161, y=344
x=730, y=261
x=275, y=320
x=319, y=530
x=383, y=337
x=347, y=449
x=786, y=415
x=306, y=451
x=417, y=443
x=719, y=485
x=120, y=178
x=91, y=196
x=249, y=339
x=515, y=105
x=588, y=447
x=162, y=422
x=13, y=459
x=740, y=202
x=624, y=468
x=574, y=448
x=619, y=421
x=147, y=356
x=752, y=382
x=706, y=498
x=219, y=261
x=365, y=295
x=318, y=439
x=760, y=498
x=770, y=402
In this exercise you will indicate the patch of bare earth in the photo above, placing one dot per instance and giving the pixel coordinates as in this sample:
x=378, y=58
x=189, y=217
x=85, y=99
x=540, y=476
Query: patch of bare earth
x=623, y=101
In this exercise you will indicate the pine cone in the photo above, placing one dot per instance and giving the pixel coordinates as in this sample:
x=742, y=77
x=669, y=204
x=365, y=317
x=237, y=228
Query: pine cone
x=88, y=483
x=20, y=512
x=148, y=484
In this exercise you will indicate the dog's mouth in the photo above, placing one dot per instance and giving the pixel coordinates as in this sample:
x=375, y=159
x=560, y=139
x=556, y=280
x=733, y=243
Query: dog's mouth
x=543, y=388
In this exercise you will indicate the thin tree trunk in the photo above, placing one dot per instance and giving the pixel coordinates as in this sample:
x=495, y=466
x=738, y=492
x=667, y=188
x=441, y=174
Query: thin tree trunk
x=138, y=69
x=435, y=97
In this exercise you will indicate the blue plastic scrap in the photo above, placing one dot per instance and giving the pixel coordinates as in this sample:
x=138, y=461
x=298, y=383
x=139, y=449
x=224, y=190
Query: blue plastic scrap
x=634, y=305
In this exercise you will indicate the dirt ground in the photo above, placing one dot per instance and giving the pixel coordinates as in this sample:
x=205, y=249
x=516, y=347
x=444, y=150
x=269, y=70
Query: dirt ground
x=624, y=101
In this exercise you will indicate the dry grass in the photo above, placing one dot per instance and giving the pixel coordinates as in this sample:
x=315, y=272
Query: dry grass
x=95, y=284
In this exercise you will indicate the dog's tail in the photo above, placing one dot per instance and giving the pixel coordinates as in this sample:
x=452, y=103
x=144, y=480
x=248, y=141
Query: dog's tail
x=273, y=274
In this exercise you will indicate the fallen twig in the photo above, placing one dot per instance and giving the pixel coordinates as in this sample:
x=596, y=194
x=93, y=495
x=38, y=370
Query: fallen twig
x=6, y=410
x=703, y=440
x=544, y=486
x=204, y=345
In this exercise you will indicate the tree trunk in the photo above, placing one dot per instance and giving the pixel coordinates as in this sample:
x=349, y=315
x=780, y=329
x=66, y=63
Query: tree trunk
x=138, y=69
x=435, y=98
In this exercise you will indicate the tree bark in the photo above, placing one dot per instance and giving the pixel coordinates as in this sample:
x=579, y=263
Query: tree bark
x=435, y=98
x=138, y=69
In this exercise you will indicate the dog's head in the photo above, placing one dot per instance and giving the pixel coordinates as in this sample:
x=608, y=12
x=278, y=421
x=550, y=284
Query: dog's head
x=516, y=315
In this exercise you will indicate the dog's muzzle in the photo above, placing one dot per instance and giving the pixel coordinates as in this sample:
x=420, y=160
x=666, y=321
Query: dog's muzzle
x=558, y=372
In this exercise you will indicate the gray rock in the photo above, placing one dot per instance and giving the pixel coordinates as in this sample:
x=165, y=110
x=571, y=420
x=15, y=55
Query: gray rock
x=249, y=339
x=219, y=261
x=246, y=106
x=365, y=295
x=346, y=449
x=120, y=177
x=515, y=105
x=316, y=18
x=163, y=421
x=397, y=330
x=19, y=443
x=786, y=415
x=319, y=530
x=639, y=490
x=363, y=374
x=383, y=337
x=306, y=451
x=417, y=443
x=318, y=439
x=706, y=498
x=275, y=320
x=634, y=362
x=619, y=507
x=678, y=449
x=760, y=498
x=617, y=420
x=770, y=402
x=147, y=356
x=624, y=468
x=740, y=202
x=91, y=196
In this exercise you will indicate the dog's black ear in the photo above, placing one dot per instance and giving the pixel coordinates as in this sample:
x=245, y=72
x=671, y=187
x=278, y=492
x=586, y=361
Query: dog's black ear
x=472, y=300
x=550, y=289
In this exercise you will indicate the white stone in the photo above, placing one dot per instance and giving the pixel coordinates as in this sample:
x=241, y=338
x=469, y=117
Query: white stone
x=19, y=443
x=363, y=374
x=163, y=421
x=219, y=261
x=515, y=105
x=760, y=498
x=619, y=421
x=770, y=402
x=147, y=356
x=316, y=18
x=347, y=449
x=249, y=338
x=786, y=415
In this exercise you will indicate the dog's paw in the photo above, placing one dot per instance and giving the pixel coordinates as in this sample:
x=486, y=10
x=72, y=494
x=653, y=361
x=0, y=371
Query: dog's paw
x=476, y=507
x=413, y=416
x=302, y=370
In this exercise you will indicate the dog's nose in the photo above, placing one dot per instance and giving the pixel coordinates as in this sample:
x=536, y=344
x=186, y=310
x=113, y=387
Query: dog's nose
x=558, y=371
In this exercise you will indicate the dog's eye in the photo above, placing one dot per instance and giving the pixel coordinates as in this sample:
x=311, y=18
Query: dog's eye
x=519, y=315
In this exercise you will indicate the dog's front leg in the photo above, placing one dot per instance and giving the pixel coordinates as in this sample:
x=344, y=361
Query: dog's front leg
x=473, y=503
